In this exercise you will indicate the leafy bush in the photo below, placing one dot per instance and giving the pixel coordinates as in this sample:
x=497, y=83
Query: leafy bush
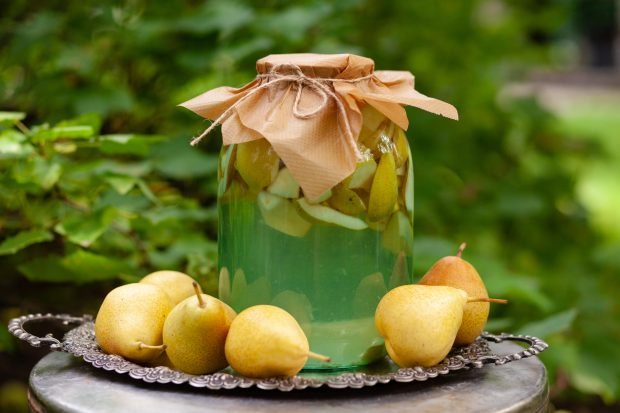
x=82, y=201
x=80, y=207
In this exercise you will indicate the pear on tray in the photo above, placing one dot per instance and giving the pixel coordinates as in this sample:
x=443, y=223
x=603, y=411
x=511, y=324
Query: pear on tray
x=195, y=332
x=266, y=341
x=177, y=285
x=419, y=322
x=454, y=271
x=130, y=321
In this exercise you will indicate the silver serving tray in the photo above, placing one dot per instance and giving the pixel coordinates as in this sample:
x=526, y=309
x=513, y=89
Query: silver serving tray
x=80, y=341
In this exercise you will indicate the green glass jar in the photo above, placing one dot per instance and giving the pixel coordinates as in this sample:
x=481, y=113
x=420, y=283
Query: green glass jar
x=328, y=260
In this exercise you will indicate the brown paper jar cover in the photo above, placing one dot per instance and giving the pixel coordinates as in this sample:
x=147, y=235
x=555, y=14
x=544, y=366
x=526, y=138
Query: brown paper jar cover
x=308, y=107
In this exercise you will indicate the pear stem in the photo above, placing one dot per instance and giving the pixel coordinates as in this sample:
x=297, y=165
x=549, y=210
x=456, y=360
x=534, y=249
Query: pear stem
x=486, y=300
x=319, y=357
x=201, y=302
x=141, y=346
x=461, y=248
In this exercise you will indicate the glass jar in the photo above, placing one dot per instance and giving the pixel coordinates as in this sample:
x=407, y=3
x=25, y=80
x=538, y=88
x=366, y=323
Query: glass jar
x=329, y=260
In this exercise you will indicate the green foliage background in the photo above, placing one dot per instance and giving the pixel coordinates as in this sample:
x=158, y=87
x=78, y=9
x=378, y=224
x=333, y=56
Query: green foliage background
x=98, y=184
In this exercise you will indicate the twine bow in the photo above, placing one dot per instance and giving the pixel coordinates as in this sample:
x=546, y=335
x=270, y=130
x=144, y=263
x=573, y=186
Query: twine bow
x=321, y=86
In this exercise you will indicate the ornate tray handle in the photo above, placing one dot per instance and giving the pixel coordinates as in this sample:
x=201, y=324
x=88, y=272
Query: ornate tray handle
x=536, y=346
x=80, y=341
x=18, y=329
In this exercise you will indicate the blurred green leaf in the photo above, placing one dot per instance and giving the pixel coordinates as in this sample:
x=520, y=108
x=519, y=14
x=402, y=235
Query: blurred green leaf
x=295, y=21
x=13, y=145
x=84, y=229
x=225, y=17
x=73, y=132
x=47, y=268
x=91, y=267
x=178, y=160
x=78, y=267
x=62, y=132
x=202, y=266
x=184, y=246
x=497, y=325
x=520, y=205
x=11, y=117
x=127, y=144
x=40, y=172
x=147, y=191
x=608, y=255
x=23, y=239
x=103, y=100
x=593, y=384
x=91, y=120
x=121, y=183
x=557, y=323
x=65, y=147
x=427, y=250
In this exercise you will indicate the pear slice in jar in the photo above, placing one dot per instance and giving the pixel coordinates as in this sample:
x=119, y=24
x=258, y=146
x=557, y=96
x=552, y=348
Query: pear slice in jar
x=346, y=200
x=321, y=198
x=239, y=289
x=330, y=215
x=282, y=215
x=372, y=117
x=257, y=163
x=284, y=185
x=384, y=189
x=374, y=352
x=259, y=291
x=398, y=234
x=298, y=305
x=226, y=169
x=372, y=120
x=368, y=293
x=400, y=272
x=401, y=147
x=223, y=290
x=407, y=185
x=236, y=189
x=380, y=140
x=362, y=177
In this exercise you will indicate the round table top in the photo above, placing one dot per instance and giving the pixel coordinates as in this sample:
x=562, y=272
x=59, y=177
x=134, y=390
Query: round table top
x=61, y=382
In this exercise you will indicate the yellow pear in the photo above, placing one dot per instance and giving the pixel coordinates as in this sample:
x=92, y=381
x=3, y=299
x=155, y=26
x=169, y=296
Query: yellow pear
x=455, y=272
x=419, y=323
x=195, y=332
x=130, y=321
x=177, y=285
x=266, y=341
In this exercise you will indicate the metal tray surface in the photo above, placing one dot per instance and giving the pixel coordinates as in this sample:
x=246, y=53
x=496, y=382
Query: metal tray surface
x=80, y=342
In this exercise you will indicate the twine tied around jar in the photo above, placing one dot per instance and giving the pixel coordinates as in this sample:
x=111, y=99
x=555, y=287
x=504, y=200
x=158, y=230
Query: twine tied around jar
x=321, y=86
x=309, y=108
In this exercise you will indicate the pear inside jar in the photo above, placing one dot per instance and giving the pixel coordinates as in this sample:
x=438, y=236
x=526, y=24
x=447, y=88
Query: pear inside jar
x=336, y=254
